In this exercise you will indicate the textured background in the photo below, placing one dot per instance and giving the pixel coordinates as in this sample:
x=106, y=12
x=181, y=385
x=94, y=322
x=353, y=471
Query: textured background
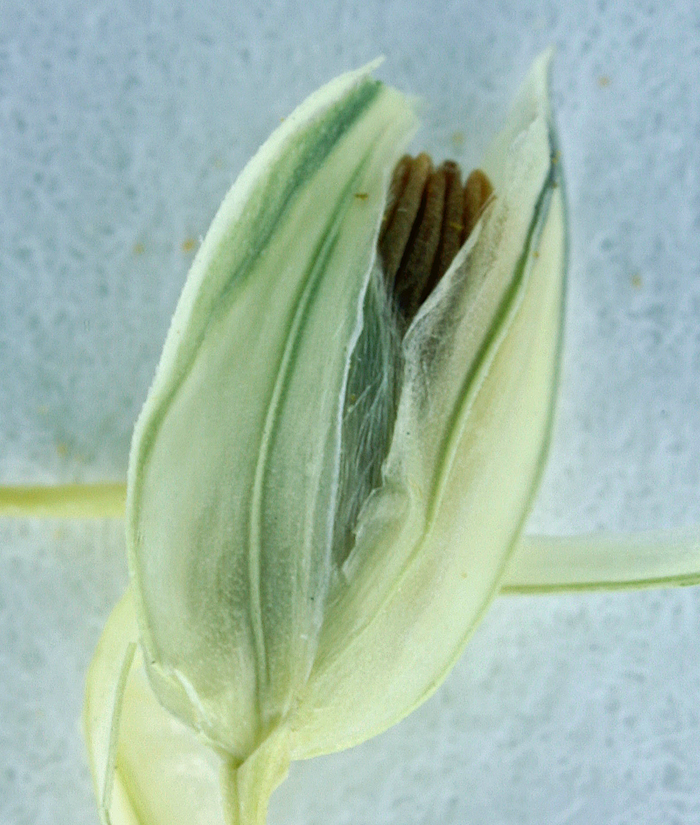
x=121, y=127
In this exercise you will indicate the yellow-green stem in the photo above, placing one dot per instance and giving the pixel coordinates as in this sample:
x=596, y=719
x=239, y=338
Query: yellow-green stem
x=604, y=561
x=105, y=500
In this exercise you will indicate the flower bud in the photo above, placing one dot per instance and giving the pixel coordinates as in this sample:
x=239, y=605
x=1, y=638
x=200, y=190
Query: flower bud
x=324, y=489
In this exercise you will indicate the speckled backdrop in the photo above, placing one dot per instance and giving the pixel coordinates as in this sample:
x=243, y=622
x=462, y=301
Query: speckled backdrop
x=121, y=126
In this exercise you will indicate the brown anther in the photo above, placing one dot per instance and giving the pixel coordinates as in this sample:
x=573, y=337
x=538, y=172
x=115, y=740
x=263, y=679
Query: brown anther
x=421, y=250
x=428, y=217
x=399, y=179
x=452, y=226
x=477, y=191
x=398, y=229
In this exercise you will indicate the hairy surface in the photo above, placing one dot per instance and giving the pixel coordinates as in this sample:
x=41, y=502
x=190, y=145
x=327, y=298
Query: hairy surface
x=428, y=217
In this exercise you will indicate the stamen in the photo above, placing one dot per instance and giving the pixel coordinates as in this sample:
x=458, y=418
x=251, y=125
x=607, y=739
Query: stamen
x=419, y=256
x=399, y=179
x=393, y=244
x=452, y=226
x=477, y=190
x=429, y=216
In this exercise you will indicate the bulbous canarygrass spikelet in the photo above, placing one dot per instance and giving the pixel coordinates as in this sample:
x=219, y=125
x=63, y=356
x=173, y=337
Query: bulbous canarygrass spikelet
x=281, y=604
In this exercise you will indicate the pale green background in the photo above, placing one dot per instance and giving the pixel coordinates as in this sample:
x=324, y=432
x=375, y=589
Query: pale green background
x=121, y=127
